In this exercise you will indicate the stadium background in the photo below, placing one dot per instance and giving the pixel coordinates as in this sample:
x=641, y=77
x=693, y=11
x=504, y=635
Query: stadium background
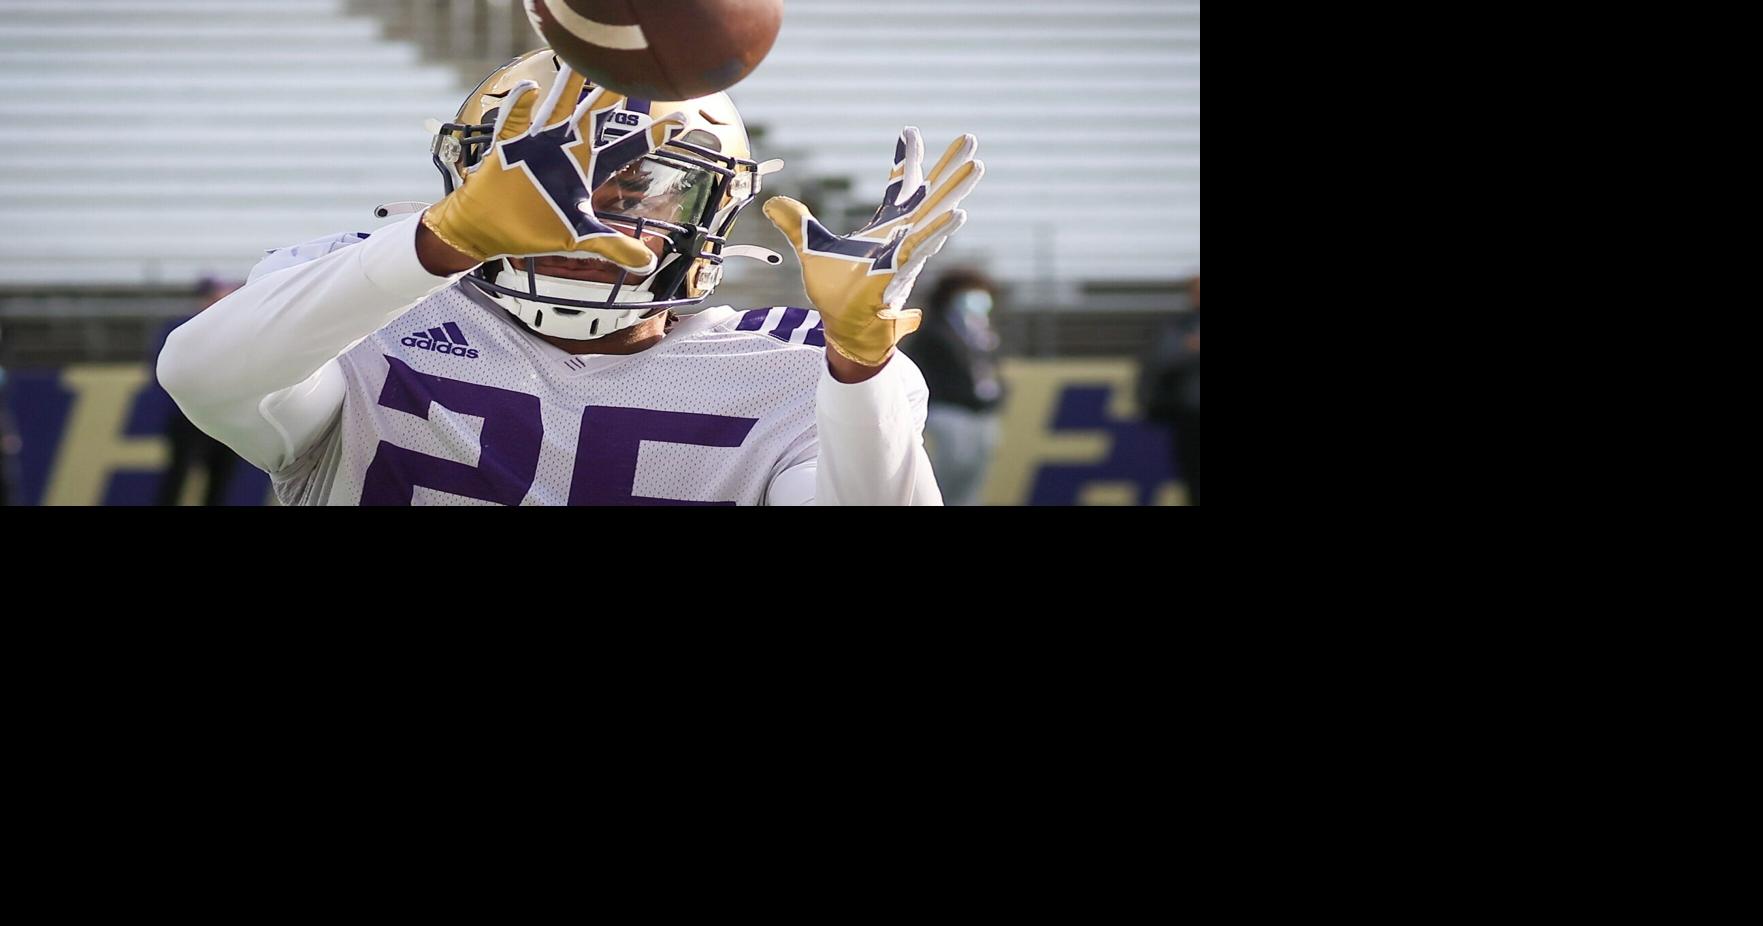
x=157, y=142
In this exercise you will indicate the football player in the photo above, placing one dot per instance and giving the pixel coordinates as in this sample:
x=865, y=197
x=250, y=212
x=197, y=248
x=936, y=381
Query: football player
x=538, y=337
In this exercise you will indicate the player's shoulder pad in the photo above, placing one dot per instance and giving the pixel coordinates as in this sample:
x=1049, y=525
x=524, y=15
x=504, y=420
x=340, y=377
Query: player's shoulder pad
x=283, y=258
x=789, y=324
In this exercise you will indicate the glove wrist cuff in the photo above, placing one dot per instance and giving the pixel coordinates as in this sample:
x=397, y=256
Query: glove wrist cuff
x=834, y=344
x=452, y=240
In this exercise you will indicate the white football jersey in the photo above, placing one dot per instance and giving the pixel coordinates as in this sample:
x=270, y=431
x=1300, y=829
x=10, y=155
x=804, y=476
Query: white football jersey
x=354, y=376
x=456, y=404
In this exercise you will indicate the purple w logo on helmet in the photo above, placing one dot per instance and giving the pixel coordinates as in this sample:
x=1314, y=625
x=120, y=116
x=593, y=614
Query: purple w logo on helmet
x=821, y=241
x=546, y=155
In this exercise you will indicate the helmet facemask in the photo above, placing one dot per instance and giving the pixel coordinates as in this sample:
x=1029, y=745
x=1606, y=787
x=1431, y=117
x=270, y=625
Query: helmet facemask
x=685, y=196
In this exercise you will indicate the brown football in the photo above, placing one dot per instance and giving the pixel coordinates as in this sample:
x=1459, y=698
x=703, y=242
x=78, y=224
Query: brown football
x=660, y=49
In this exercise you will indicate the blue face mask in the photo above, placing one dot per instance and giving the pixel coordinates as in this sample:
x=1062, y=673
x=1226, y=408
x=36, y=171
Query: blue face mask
x=973, y=303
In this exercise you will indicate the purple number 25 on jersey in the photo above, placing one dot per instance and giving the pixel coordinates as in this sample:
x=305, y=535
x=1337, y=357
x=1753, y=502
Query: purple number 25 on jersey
x=513, y=432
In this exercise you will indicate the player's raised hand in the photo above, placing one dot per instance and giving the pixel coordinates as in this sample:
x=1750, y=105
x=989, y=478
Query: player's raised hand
x=860, y=281
x=532, y=194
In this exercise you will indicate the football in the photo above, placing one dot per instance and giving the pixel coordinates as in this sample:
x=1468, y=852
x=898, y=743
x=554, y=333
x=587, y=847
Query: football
x=660, y=49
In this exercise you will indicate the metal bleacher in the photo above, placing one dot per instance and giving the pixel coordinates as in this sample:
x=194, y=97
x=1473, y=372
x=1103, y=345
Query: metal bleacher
x=158, y=141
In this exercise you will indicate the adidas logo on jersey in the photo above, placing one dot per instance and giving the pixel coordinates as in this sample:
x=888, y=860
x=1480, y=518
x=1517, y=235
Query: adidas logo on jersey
x=447, y=339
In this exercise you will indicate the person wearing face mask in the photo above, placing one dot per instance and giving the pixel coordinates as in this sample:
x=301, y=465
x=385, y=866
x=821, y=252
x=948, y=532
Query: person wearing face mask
x=9, y=445
x=1169, y=388
x=957, y=349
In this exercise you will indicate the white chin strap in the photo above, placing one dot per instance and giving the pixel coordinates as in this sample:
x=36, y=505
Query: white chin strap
x=573, y=324
x=586, y=324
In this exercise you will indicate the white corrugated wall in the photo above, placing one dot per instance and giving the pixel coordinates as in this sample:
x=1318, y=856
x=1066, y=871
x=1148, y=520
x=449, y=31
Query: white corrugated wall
x=152, y=141
x=1088, y=116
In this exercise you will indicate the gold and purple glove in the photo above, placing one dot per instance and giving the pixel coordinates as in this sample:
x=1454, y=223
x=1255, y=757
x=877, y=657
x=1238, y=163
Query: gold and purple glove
x=859, y=281
x=532, y=194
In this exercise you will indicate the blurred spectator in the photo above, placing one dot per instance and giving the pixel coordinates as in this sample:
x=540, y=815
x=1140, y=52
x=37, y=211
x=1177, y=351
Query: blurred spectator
x=189, y=445
x=957, y=349
x=1169, y=387
x=10, y=443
